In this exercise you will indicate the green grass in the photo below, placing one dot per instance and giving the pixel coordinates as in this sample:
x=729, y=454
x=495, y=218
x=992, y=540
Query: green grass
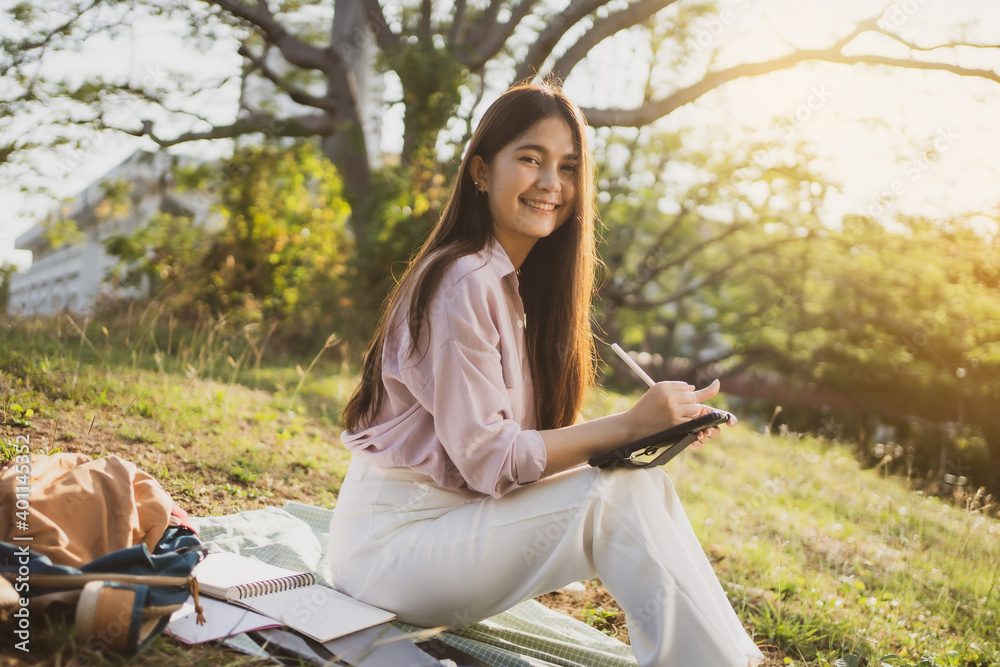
x=821, y=559
x=210, y=441
x=826, y=559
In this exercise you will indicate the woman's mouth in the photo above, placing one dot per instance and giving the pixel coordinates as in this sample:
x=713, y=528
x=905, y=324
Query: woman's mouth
x=539, y=205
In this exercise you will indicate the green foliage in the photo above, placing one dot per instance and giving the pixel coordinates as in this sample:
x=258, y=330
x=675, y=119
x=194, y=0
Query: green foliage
x=244, y=471
x=16, y=415
x=696, y=244
x=274, y=250
x=409, y=199
x=913, y=308
x=806, y=636
x=9, y=448
x=600, y=618
x=723, y=265
x=60, y=231
x=284, y=247
x=785, y=632
x=165, y=254
x=22, y=12
x=431, y=76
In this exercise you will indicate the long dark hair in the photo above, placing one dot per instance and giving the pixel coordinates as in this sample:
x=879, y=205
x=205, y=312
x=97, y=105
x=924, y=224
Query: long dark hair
x=556, y=279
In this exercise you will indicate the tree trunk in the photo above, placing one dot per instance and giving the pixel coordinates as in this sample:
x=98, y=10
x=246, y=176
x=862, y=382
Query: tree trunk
x=348, y=148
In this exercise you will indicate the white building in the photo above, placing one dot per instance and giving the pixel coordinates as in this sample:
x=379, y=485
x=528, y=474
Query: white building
x=71, y=276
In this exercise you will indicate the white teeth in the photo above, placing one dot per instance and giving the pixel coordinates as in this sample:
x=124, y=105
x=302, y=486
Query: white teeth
x=540, y=205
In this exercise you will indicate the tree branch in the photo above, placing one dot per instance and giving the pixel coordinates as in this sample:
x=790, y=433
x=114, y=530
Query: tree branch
x=293, y=49
x=485, y=24
x=711, y=279
x=388, y=41
x=490, y=37
x=927, y=49
x=604, y=28
x=682, y=259
x=424, y=27
x=873, y=27
x=558, y=26
x=652, y=110
x=297, y=95
x=16, y=50
x=299, y=126
x=143, y=94
x=480, y=93
x=657, y=109
x=457, y=27
x=655, y=270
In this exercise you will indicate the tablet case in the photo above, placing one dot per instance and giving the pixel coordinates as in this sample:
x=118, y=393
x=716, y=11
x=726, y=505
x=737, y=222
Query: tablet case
x=671, y=441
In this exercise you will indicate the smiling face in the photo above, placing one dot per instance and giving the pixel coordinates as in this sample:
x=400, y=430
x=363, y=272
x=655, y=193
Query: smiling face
x=530, y=185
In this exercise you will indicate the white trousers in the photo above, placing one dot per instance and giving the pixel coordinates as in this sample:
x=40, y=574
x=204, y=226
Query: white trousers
x=451, y=557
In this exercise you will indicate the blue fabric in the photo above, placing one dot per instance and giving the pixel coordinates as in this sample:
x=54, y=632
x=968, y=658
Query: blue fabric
x=176, y=554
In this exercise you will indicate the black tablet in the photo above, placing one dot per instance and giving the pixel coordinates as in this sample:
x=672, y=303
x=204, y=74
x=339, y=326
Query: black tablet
x=658, y=448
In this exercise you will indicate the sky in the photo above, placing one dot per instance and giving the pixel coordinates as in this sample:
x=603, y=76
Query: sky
x=895, y=140
x=912, y=141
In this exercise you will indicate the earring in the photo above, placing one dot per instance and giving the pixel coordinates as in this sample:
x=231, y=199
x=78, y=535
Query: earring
x=478, y=190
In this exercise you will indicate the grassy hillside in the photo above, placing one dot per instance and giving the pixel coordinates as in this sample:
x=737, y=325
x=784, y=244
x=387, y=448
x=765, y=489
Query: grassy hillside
x=821, y=559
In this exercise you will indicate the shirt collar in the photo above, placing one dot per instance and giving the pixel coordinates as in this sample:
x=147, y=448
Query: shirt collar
x=498, y=260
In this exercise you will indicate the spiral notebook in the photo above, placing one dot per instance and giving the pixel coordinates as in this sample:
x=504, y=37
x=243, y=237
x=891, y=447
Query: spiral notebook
x=293, y=599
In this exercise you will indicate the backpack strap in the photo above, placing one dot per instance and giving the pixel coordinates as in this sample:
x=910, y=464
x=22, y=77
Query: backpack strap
x=110, y=616
x=74, y=582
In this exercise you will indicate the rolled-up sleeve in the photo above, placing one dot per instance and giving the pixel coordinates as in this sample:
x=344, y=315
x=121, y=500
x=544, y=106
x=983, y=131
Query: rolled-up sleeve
x=473, y=420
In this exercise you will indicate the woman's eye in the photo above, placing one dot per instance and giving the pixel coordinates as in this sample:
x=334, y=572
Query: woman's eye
x=569, y=168
x=529, y=160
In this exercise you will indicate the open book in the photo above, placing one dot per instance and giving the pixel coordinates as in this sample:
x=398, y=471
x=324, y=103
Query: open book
x=293, y=599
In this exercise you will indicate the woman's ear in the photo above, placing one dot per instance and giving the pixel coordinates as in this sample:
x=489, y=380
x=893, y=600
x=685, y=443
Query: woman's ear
x=479, y=171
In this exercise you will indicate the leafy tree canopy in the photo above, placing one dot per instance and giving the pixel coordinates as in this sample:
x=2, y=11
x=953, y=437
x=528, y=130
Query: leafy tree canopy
x=275, y=249
x=305, y=71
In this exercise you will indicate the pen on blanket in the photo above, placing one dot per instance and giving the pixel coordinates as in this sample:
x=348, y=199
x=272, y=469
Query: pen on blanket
x=631, y=364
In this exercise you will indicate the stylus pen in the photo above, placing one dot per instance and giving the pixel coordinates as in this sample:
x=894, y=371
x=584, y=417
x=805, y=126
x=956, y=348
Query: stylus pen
x=631, y=364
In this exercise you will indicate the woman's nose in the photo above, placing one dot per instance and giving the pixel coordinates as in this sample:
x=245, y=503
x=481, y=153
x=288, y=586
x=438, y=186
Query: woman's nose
x=548, y=179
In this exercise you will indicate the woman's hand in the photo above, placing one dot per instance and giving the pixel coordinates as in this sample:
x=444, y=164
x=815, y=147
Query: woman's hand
x=711, y=432
x=667, y=404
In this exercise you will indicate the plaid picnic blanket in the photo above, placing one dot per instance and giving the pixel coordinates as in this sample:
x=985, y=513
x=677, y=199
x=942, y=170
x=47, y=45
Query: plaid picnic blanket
x=528, y=635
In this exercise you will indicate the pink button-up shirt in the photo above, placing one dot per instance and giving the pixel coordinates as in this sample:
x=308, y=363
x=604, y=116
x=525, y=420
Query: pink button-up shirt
x=463, y=413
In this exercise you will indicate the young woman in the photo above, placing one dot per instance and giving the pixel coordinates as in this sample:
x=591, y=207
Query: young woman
x=465, y=494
